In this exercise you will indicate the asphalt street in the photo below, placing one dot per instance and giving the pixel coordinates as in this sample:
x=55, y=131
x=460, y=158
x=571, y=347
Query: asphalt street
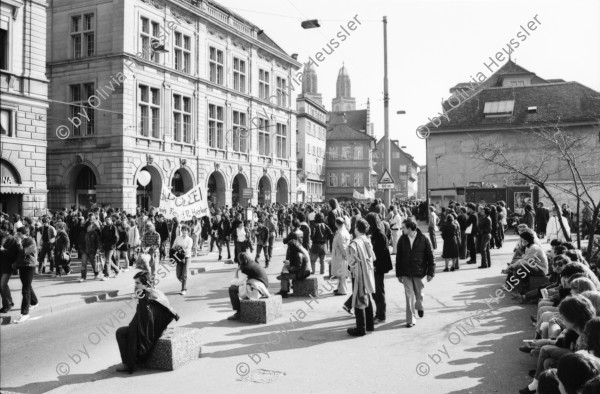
x=466, y=343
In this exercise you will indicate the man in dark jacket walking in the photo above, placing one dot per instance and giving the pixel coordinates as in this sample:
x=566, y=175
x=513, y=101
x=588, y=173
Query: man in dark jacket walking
x=414, y=261
x=472, y=226
x=9, y=254
x=485, y=235
x=333, y=214
x=109, y=238
x=223, y=234
x=163, y=230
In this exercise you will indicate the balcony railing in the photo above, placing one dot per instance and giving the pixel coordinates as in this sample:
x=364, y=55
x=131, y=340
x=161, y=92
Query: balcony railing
x=218, y=14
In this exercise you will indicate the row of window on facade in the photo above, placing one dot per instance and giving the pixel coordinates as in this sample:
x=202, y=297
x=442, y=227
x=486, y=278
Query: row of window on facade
x=346, y=179
x=149, y=114
x=336, y=152
x=312, y=111
x=83, y=36
x=314, y=188
x=315, y=130
x=314, y=150
x=379, y=155
x=314, y=167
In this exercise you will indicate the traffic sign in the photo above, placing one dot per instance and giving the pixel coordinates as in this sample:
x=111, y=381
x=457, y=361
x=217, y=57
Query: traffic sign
x=382, y=186
x=386, y=177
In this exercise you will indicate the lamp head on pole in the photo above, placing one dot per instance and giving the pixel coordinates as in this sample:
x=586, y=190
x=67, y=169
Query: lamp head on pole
x=310, y=24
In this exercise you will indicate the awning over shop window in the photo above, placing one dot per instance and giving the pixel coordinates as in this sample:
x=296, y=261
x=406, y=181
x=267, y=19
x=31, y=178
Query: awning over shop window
x=7, y=189
x=9, y=175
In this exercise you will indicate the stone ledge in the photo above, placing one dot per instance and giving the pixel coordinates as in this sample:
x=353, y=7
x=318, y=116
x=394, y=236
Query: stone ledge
x=196, y=271
x=176, y=347
x=306, y=287
x=263, y=310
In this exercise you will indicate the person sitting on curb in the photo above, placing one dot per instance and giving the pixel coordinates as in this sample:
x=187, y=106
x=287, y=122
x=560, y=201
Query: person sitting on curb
x=153, y=314
x=297, y=267
x=254, y=286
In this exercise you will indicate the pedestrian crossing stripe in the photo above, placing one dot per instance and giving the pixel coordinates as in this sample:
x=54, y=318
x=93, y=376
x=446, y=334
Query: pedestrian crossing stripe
x=386, y=177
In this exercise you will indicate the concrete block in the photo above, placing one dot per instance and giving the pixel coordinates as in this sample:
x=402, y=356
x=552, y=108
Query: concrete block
x=176, y=347
x=263, y=310
x=306, y=287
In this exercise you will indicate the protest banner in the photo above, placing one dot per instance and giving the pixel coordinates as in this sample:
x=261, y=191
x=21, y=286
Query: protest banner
x=194, y=203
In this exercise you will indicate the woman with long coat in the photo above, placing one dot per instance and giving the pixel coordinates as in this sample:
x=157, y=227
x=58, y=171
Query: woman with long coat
x=451, y=237
x=382, y=263
x=361, y=257
x=339, y=256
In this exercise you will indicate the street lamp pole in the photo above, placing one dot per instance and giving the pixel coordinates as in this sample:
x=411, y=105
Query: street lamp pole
x=387, y=193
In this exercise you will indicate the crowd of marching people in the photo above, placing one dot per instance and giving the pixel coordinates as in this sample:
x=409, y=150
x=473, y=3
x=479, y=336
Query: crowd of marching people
x=361, y=240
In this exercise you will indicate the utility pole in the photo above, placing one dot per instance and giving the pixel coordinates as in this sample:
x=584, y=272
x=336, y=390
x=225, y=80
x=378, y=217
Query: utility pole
x=387, y=193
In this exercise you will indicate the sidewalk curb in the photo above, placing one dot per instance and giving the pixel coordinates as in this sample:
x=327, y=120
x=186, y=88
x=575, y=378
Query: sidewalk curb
x=68, y=305
x=8, y=319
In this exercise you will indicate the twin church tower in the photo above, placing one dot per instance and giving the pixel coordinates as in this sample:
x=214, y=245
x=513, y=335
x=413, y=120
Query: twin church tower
x=343, y=100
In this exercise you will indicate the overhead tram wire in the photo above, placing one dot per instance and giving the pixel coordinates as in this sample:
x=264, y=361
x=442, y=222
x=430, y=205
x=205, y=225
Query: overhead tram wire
x=320, y=32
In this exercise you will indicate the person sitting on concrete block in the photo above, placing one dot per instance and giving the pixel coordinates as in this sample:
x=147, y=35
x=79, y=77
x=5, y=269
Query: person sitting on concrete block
x=254, y=286
x=152, y=316
x=296, y=268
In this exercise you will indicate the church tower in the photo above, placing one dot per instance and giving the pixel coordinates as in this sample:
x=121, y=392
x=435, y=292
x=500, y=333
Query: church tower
x=343, y=100
x=310, y=84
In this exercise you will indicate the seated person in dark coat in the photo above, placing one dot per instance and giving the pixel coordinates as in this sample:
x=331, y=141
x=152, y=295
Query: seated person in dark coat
x=297, y=267
x=153, y=314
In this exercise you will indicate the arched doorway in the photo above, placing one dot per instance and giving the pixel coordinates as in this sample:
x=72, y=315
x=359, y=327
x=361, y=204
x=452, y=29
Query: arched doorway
x=216, y=189
x=282, y=191
x=182, y=182
x=264, y=190
x=149, y=196
x=11, y=201
x=237, y=190
x=84, y=187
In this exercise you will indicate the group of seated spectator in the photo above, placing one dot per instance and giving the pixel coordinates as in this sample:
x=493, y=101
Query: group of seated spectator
x=567, y=323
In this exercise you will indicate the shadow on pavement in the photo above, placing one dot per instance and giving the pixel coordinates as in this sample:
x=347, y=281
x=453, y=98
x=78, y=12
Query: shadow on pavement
x=64, y=380
x=508, y=321
x=280, y=337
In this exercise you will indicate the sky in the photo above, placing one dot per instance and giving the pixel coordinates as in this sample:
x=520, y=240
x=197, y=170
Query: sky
x=432, y=46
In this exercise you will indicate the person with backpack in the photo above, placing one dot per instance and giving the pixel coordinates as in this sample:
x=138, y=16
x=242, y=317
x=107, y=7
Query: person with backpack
x=262, y=242
x=320, y=235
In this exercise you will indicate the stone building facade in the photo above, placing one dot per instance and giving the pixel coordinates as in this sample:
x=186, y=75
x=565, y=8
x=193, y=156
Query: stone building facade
x=311, y=139
x=185, y=90
x=504, y=110
x=23, y=104
x=349, y=162
x=404, y=170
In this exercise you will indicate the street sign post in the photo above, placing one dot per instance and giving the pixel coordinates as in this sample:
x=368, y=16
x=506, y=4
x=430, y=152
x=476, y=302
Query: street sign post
x=386, y=182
